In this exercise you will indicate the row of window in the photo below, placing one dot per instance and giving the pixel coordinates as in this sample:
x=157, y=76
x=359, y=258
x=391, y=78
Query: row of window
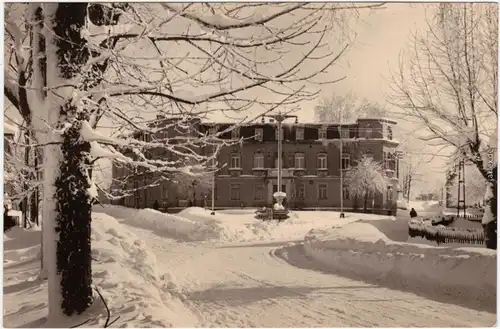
x=260, y=192
x=299, y=133
x=299, y=161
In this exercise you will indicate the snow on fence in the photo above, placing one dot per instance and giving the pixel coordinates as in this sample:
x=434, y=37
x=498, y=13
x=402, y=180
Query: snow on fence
x=442, y=234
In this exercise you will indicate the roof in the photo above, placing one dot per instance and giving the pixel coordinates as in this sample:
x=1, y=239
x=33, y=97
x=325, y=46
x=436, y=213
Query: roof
x=9, y=129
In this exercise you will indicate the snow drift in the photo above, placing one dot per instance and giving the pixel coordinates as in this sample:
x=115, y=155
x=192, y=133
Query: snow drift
x=173, y=226
x=463, y=275
x=124, y=270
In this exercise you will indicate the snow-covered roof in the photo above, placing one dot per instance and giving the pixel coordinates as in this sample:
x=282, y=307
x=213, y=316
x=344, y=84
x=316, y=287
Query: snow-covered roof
x=381, y=119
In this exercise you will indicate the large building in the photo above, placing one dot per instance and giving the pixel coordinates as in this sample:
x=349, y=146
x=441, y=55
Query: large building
x=311, y=162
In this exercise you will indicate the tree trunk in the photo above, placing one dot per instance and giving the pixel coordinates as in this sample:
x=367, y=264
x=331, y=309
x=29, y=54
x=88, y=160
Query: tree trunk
x=67, y=206
x=489, y=221
x=365, y=203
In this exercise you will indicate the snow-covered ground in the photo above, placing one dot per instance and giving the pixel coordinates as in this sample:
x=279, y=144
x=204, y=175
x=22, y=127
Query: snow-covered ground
x=360, y=250
x=231, y=270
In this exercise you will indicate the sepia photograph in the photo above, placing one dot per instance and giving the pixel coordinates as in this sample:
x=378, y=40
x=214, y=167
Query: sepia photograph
x=250, y=164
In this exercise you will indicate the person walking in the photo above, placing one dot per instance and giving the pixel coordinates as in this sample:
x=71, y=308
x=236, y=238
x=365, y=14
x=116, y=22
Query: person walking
x=413, y=213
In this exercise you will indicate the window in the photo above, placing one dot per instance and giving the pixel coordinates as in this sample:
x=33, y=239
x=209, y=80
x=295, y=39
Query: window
x=212, y=131
x=235, y=161
x=368, y=131
x=301, y=193
x=322, y=133
x=322, y=192
x=321, y=163
x=259, y=192
x=235, y=192
x=345, y=193
x=389, y=133
x=346, y=161
x=299, y=161
x=344, y=132
x=258, y=160
x=387, y=160
x=235, y=133
x=259, y=133
x=299, y=134
x=389, y=193
x=276, y=133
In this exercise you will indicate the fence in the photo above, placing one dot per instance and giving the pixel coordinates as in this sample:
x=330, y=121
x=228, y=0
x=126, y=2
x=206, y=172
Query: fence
x=442, y=234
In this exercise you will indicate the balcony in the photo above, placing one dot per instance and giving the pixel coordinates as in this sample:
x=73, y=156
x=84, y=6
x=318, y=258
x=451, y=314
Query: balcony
x=285, y=173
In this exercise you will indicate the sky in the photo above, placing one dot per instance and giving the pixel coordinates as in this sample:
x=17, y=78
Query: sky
x=380, y=36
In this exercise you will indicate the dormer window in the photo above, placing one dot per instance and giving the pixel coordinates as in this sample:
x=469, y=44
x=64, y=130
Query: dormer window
x=344, y=132
x=235, y=133
x=299, y=134
x=212, y=131
x=368, y=131
x=322, y=133
x=259, y=134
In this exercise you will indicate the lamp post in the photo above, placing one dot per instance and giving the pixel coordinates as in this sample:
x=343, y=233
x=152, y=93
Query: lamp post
x=213, y=182
x=341, y=171
x=279, y=118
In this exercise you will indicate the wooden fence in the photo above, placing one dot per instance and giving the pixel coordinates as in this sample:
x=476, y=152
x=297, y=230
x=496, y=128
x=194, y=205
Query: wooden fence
x=441, y=234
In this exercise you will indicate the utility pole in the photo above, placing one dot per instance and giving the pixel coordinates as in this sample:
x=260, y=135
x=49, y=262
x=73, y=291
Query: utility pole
x=461, y=188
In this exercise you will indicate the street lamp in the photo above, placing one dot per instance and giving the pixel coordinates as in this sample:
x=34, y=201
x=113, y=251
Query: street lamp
x=214, y=154
x=279, y=118
x=341, y=171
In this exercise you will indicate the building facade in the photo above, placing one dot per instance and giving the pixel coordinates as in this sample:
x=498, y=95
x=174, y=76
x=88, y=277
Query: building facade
x=311, y=164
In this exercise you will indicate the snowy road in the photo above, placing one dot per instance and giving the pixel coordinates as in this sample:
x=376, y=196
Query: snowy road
x=250, y=286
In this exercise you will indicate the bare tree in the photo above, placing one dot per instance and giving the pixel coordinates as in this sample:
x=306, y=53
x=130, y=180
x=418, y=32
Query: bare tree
x=345, y=108
x=76, y=64
x=365, y=180
x=448, y=82
x=475, y=187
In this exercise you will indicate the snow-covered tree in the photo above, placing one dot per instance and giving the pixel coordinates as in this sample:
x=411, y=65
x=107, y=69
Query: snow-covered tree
x=75, y=65
x=346, y=108
x=448, y=82
x=365, y=180
x=193, y=188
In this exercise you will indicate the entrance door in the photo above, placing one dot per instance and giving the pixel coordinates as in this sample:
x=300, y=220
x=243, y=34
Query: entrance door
x=275, y=188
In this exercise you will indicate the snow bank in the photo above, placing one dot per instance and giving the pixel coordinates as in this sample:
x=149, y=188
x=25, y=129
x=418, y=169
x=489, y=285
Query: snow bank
x=402, y=204
x=124, y=270
x=360, y=250
x=174, y=226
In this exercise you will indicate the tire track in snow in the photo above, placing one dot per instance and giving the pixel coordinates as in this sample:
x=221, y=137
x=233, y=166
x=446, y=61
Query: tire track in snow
x=252, y=286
